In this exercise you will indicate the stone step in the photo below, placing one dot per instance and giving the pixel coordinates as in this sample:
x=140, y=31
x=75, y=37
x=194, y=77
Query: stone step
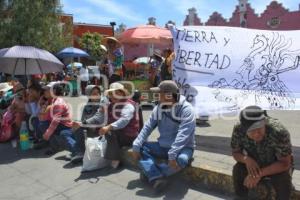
x=211, y=170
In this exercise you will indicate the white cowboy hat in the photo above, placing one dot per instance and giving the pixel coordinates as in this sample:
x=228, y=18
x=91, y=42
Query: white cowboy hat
x=4, y=87
x=103, y=47
x=114, y=87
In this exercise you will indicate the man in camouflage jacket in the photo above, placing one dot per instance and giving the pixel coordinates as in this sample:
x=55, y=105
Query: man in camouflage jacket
x=262, y=148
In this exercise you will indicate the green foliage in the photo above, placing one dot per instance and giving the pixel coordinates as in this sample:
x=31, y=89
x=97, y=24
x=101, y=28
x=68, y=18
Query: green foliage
x=33, y=23
x=91, y=43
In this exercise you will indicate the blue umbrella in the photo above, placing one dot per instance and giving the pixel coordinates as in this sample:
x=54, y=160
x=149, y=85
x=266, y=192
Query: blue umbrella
x=71, y=52
x=74, y=64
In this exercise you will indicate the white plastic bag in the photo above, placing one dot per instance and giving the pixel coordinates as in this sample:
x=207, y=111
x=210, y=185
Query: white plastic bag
x=94, y=154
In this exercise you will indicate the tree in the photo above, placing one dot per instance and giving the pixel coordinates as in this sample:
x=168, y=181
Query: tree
x=91, y=43
x=33, y=23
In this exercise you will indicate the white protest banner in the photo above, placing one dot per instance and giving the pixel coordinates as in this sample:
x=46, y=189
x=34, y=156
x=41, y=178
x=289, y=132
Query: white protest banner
x=224, y=69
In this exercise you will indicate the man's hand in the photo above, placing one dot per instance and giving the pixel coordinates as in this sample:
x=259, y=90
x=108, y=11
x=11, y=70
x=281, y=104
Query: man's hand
x=252, y=167
x=173, y=164
x=104, y=130
x=136, y=155
x=46, y=136
x=76, y=125
x=251, y=182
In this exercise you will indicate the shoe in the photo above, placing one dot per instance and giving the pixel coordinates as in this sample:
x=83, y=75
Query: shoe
x=159, y=185
x=143, y=178
x=50, y=152
x=68, y=157
x=77, y=158
x=115, y=164
x=40, y=145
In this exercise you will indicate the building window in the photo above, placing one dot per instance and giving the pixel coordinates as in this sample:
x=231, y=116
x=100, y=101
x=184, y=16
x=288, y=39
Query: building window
x=274, y=22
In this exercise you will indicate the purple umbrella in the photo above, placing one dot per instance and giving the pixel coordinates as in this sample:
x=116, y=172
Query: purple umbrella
x=27, y=60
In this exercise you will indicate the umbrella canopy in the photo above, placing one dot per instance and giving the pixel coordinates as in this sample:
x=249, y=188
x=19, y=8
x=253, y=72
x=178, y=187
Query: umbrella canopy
x=27, y=60
x=146, y=34
x=142, y=60
x=74, y=64
x=71, y=52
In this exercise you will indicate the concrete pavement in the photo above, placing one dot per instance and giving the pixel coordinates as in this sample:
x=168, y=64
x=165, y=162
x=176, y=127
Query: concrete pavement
x=32, y=176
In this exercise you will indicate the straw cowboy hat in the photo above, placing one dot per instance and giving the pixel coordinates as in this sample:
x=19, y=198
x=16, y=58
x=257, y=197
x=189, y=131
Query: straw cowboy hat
x=115, y=87
x=105, y=41
x=4, y=87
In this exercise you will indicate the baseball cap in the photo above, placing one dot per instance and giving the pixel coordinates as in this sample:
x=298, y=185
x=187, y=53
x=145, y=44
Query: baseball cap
x=252, y=117
x=167, y=86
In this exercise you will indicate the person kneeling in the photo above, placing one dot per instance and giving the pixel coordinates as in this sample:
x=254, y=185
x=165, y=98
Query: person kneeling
x=59, y=133
x=263, y=151
x=175, y=119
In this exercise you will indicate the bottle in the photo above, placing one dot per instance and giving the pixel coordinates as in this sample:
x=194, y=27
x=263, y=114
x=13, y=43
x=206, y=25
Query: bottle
x=24, y=137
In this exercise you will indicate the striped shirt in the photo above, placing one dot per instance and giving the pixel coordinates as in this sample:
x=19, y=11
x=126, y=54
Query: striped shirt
x=60, y=114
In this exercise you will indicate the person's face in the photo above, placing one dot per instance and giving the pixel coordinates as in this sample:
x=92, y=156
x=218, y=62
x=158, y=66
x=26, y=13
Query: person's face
x=111, y=44
x=47, y=94
x=257, y=134
x=33, y=94
x=95, y=95
x=116, y=96
x=166, y=98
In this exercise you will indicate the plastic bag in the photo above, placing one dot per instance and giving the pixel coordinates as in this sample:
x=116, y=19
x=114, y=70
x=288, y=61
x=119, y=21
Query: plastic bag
x=94, y=154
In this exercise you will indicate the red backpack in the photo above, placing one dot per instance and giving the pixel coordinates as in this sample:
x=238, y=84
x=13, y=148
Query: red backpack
x=6, y=132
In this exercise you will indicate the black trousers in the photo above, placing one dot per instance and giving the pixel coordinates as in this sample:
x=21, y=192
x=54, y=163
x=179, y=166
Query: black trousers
x=115, y=141
x=282, y=183
x=114, y=78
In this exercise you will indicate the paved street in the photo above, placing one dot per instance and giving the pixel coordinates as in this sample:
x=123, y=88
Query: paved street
x=30, y=175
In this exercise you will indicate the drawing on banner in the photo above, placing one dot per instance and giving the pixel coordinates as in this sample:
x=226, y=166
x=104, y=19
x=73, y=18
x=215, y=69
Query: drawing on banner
x=260, y=72
x=185, y=89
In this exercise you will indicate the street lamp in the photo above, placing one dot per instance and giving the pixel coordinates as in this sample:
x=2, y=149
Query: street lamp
x=113, y=27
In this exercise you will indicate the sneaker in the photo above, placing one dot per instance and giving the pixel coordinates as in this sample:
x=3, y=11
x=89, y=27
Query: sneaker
x=159, y=185
x=77, y=158
x=143, y=178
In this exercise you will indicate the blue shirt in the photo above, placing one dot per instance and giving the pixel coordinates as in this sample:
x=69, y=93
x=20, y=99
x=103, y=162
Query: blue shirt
x=176, y=132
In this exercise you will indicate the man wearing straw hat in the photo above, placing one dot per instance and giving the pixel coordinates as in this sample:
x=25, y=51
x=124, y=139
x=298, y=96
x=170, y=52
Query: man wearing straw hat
x=115, y=58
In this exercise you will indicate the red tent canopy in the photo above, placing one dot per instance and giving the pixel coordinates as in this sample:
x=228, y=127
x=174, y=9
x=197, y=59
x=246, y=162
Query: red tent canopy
x=146, y=34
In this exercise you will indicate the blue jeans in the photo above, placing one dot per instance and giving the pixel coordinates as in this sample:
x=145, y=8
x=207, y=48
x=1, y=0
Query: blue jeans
x=63, y=138
x=151, y=151
x=41, y=128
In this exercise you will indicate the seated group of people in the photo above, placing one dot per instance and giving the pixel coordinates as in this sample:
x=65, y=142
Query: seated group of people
x=261, y=145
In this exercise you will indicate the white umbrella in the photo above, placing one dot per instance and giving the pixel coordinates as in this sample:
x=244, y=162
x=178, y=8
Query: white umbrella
x=142, y=60
x=27, y=60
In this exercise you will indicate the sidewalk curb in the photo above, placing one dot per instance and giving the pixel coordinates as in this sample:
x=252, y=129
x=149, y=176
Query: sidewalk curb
x=201, y=176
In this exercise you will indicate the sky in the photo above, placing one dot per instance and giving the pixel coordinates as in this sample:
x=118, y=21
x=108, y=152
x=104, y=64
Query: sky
x=137, y=12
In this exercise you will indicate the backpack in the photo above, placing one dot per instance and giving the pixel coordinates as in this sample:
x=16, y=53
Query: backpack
x=6, y=132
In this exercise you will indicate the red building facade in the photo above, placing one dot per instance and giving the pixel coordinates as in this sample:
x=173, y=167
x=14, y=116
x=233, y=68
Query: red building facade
x=78, y=29
x=274, y=17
